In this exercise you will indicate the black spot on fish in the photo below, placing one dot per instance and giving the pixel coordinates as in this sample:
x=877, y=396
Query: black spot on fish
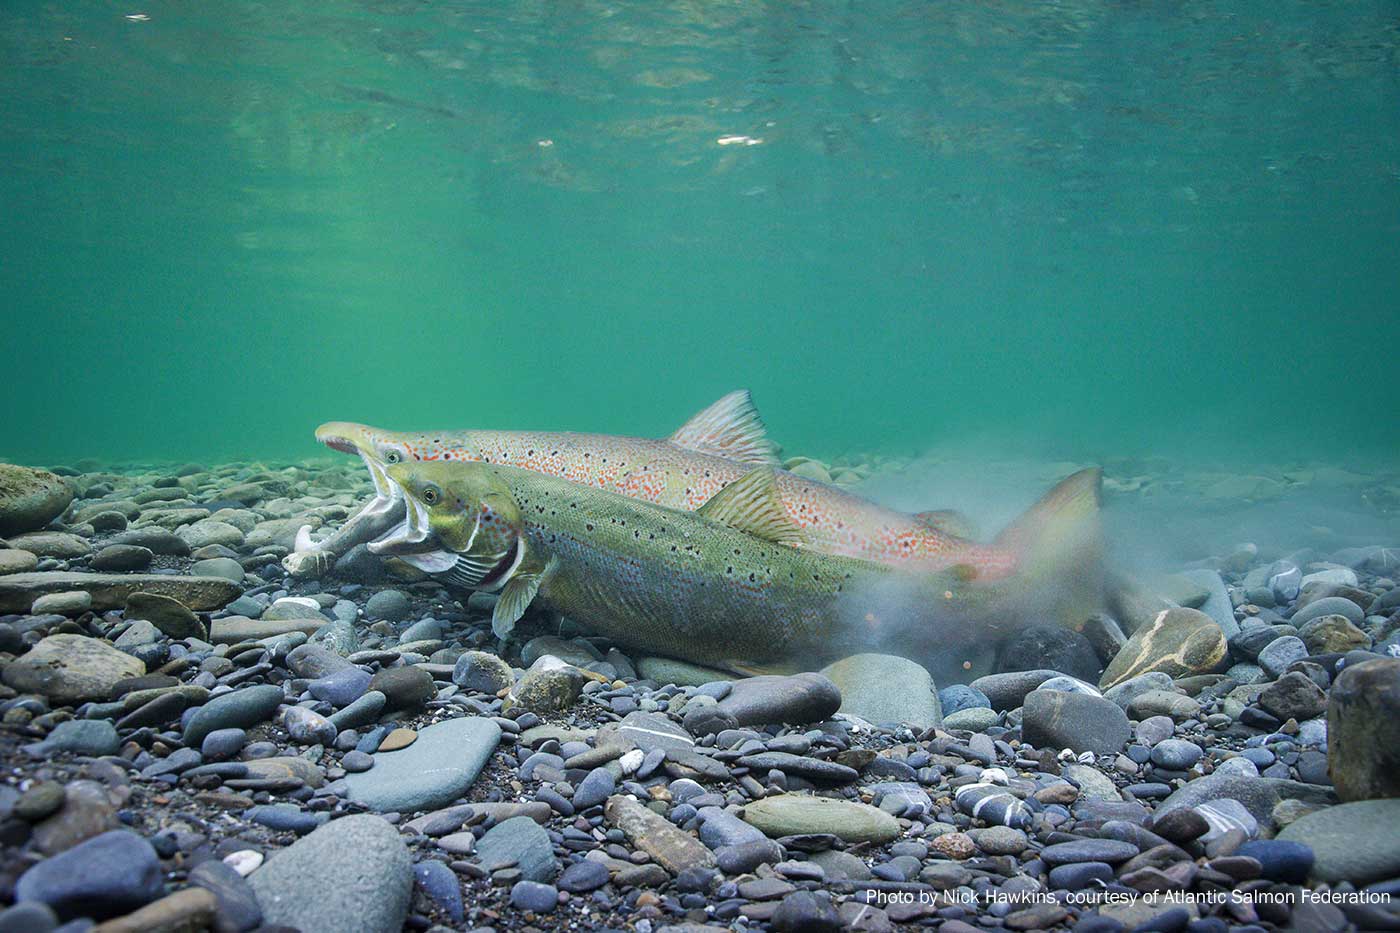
x=589, y=526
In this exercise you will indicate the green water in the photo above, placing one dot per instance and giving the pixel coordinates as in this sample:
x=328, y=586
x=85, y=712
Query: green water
x=1089, y=227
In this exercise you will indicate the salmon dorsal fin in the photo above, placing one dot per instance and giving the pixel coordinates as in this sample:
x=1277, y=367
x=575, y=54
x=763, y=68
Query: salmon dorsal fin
x=729, y=428
x=949, y=522
x=751, y=504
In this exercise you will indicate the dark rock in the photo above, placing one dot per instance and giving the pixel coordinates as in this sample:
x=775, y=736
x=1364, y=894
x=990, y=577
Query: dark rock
x=520, y=842
x=1111, y=851
x=442, y=887
x=238, y=906
x=1279, y=860
x=1055, y=719
x=807, y=912
x=534, y=896
x=1008, y=691
x=1363, y=730
x=1293, y=696
x=583, y=876
x=1049, y=646
x=801, y=698
x=239, y=709
x=405, y=689
x=106, y=876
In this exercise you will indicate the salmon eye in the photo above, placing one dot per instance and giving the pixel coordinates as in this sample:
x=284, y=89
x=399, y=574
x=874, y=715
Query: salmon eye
x=392, y=456
x=431, y=494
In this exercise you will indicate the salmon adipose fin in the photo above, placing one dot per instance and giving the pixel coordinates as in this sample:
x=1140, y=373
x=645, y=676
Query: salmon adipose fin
x=948, y=521
x=751, y=504
x=729, y=428
x=1058, y=529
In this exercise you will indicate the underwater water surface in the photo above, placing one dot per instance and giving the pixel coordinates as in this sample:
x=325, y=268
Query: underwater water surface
x=1086, y=228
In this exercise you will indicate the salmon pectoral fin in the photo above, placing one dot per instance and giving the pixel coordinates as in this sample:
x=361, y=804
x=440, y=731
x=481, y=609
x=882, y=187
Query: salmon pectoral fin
x=751, y=504
x=515, y=598
x=730, y=428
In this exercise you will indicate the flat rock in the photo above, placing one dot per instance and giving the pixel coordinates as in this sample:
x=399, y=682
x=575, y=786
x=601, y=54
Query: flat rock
x=71, y=668
x=233, y=629
x=884, y=688
x=799, y=814
x=1354, y=842
x=432, y=772
x=647, y=731
x=1178, y=642
x=58, y=544
x=111, y=590
x=352, y=875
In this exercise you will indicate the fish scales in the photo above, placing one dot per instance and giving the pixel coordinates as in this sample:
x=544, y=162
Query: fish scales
x=677, y=583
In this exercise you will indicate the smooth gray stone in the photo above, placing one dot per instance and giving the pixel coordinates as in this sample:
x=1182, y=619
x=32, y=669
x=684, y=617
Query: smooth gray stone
x=435, y=770
x=521, y=842
x=353, y=874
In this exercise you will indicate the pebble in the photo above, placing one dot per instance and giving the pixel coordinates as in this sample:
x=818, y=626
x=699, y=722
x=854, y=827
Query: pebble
x=1176, y=754
x=534, y=896
x=594, y=789
x=582, y=877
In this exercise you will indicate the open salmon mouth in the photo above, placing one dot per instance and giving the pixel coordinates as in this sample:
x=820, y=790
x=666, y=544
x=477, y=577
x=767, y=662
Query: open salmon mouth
x=341, y=444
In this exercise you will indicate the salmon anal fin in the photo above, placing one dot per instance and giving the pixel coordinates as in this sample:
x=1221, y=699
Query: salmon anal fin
x=751, y=504
x=729, y=428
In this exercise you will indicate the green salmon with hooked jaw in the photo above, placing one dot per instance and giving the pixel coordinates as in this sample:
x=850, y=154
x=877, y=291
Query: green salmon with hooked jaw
x=724, y=585
x=714, y=448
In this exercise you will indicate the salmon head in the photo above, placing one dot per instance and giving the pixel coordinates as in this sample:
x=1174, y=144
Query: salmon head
x=461, y=522
x=380, y=449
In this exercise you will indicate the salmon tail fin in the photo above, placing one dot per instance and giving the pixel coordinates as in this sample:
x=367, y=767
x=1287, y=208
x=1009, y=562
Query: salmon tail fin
x=1061, y=532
